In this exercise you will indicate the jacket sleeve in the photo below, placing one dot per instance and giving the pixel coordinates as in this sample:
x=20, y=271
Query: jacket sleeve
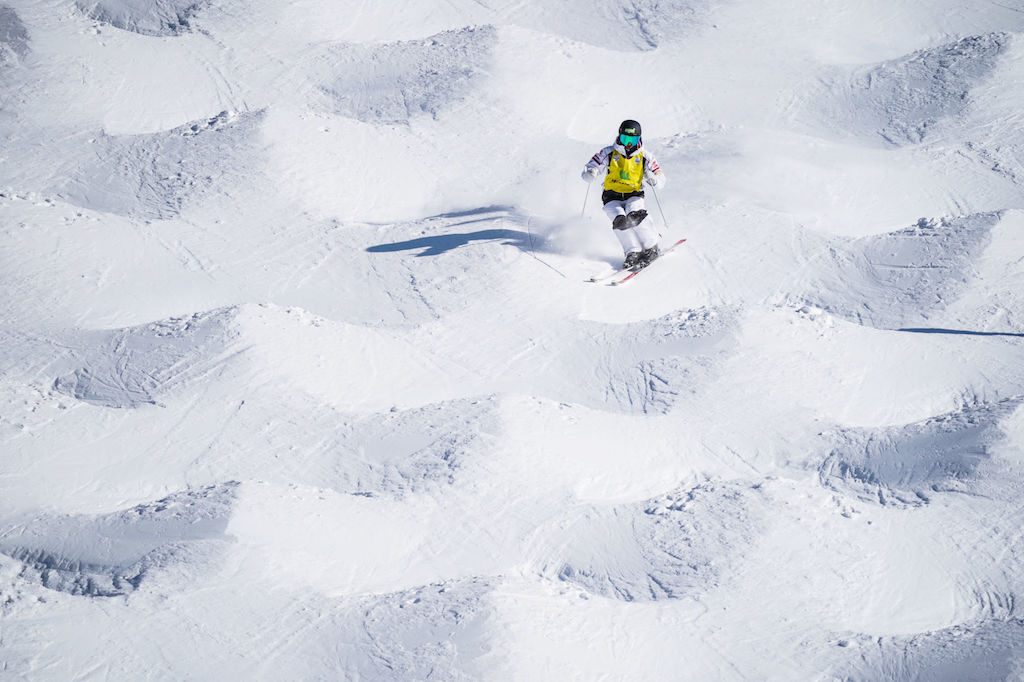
x=652, y=171
x=598, y=163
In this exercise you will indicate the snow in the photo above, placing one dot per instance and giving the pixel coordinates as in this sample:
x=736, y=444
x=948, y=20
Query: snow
x=160, y=18
x=300, y=377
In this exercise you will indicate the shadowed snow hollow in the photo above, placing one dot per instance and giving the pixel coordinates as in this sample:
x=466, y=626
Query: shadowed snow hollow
x=907, y=464
x=903, y=100
x=422, y=633
x=986, y=651
x=889, y=281
x=133, y=367
x=403, y=452
x=666, y=548
x=620, y=24
x=647, y=366
x=13, y=37
x=156, y=176
x=148, y=17
x=110, y=554
x=394, y=82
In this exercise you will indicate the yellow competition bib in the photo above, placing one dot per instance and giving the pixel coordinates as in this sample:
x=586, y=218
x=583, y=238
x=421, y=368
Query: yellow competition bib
x=624, y=175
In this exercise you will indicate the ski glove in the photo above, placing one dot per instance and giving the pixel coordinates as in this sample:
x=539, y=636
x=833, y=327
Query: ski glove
x=656, y=180
x=589, y=175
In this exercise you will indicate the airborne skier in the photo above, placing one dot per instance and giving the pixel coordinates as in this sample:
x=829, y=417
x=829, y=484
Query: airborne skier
x=626, y=165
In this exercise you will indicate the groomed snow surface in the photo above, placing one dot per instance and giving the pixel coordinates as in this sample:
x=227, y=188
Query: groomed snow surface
x=300, y=378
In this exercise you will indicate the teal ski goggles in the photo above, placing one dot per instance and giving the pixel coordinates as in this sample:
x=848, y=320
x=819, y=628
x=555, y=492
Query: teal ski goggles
x=629, y=140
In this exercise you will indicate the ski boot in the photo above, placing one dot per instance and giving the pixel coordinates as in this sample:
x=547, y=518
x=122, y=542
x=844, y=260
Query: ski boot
x=647, y=256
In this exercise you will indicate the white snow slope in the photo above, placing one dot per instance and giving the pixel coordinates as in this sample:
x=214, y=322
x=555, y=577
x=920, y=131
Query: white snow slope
x=300, y=378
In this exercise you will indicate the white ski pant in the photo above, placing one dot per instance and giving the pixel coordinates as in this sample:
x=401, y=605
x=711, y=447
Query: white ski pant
x=633, y=239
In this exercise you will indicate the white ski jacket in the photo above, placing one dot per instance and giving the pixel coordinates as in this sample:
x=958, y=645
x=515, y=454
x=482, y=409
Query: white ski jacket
x=653, y=175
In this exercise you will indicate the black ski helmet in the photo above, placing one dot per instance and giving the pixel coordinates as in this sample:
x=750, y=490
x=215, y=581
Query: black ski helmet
x=630, y=127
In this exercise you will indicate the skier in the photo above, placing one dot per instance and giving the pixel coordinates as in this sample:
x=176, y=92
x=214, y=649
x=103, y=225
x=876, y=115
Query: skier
x=626, y=165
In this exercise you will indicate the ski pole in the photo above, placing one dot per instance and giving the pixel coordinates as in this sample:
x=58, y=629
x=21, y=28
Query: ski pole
x=660, y=209
x=533, y=252
x=584, y=211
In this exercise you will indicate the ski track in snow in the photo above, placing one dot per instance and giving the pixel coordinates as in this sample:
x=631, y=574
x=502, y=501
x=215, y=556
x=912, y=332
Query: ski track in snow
x=298, y=359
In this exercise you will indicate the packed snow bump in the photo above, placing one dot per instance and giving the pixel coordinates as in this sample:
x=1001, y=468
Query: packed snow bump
x=633, y=25
x=904, y=99
x=906, y=465
x=395, y=82
x=411, y=635
x=133, y=367
x=156, y=176
x=13, y=37
x=985, y=651
x=648, y=366
x=111, y=554
x=399, y=453
x=902, y=278
x=670, y=547
x=148, y=17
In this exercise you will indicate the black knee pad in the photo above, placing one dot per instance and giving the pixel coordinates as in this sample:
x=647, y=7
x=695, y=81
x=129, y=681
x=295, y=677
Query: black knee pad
x=620, y=222
x=635, y=217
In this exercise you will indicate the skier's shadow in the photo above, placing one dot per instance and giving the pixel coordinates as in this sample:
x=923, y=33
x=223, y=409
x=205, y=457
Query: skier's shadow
x=442, y=243
x=435, y=245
